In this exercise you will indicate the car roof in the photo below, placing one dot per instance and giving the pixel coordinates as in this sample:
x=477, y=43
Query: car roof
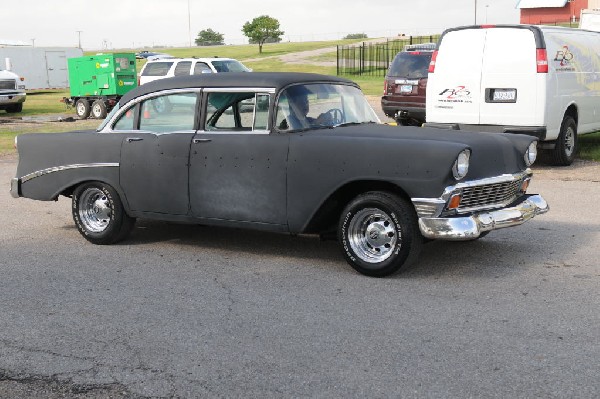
x=276, y=80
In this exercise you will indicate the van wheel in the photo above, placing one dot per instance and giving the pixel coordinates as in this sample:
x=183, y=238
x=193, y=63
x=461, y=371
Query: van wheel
x=99, y=215
x=566, y=143
x=15, y=108
x=379, y=233
x=82, y=108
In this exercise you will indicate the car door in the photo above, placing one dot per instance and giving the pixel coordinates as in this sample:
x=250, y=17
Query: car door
x=237, y=168
x=154, y=158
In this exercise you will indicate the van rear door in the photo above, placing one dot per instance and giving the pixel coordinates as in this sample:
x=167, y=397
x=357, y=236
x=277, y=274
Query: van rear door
x=512, y=92
x=453, y=87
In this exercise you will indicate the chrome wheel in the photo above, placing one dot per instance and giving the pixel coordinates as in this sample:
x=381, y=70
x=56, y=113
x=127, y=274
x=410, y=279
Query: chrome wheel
x=569, y=141
x=372, y=235
x=94, y=210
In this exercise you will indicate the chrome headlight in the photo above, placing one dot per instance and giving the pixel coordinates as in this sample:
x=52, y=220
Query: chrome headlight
x=531, y=154
x=461, y=165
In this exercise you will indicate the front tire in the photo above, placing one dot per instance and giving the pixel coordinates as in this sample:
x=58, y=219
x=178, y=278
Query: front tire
x=15, y=108
x=566, y=144
x=379, y=233
x=99, y=215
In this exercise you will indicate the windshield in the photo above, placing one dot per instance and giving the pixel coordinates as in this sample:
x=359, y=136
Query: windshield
x=410, y=64
x=322, y=105
x=229, y=66
x=108, y=117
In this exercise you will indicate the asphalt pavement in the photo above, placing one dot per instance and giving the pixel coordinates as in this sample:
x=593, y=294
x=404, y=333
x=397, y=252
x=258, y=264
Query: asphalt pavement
x=184, y=311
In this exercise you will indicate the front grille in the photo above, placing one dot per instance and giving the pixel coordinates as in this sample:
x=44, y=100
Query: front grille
x=8, y=84
x=489, y=195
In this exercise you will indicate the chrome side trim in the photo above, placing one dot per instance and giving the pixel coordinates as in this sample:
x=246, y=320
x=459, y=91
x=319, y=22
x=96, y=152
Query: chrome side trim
x=470, y=227
x=54, y=169
x=428, y=207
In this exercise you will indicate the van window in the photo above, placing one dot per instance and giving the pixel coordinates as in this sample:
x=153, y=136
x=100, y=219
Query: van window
x=157, y=68
x=201, y=68
x=182, y=68
x=410, y=64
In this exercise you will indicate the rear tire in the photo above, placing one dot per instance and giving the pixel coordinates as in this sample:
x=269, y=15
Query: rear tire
x=99, y=109
x=82, y=108
x=379, y=233
x=566, y=144
x=99, y=215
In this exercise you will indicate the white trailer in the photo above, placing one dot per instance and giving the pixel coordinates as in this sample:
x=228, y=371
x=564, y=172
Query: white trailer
x=590, y=20
x=42, y=67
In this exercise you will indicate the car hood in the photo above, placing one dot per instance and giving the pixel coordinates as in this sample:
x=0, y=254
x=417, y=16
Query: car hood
x=492, y=154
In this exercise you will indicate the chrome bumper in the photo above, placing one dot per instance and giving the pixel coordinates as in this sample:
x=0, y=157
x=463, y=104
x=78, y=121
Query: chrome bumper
x=470, y=227
x=12, y=98
x=15, y=185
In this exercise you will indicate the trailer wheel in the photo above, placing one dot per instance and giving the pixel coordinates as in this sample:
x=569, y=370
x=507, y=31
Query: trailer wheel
x=99, y=109
x=82, y=108
x=566, y=144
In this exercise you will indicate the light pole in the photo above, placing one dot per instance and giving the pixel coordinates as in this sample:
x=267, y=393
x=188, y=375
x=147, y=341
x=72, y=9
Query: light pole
x=486, y=10
x=32, y=42
x=475, y=12
x=189, y=23
x=79, y=37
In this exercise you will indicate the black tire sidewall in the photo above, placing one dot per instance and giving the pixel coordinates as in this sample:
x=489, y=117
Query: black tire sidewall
x=560, y=157
x=399, y=212
x=113, y=230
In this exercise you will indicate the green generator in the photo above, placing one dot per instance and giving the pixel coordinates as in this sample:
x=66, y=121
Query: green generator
x=98, y=81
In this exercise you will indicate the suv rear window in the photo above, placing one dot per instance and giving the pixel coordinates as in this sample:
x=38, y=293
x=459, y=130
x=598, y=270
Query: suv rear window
x=229, y=66
x=410, y=64
x=157, y=68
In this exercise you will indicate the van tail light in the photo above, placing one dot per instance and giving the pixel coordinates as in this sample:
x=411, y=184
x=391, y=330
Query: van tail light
x=385, y=87
x=432, y=62
x=541, y=60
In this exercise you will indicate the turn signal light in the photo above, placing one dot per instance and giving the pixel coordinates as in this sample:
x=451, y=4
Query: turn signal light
x=454, y=201
x=432, y=62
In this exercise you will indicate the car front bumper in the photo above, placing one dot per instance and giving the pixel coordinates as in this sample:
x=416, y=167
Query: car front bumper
x=471, y=226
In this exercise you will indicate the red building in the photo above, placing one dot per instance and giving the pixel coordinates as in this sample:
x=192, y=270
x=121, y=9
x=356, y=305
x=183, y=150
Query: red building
x=540, y=12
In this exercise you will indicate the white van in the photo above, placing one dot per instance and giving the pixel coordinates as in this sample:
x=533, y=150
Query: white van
x=168, y=67
x=538, y=80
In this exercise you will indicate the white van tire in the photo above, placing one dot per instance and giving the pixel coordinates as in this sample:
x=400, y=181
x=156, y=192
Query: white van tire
x=566, y=144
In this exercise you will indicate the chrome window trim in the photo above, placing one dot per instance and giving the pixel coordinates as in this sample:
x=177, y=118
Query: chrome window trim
x=109, y=126
x=230, y=132
x=61, y=168
x=265, y=90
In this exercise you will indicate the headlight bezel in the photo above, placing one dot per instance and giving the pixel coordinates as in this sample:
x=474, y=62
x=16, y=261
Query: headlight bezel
x=460, y=168
x=531, y=153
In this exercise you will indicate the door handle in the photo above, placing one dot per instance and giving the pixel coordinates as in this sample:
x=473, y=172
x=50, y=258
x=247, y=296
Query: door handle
x=196, y=141
x=130, y=139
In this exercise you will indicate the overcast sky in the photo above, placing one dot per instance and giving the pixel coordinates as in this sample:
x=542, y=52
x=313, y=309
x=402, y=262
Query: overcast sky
x=141, y=24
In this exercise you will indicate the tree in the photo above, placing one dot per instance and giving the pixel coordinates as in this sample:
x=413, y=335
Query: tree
x=261, y=30
x=356, y=36
x=209, y=37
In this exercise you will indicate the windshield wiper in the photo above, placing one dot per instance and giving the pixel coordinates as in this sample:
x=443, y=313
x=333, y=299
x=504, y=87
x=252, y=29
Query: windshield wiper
x=353, y=123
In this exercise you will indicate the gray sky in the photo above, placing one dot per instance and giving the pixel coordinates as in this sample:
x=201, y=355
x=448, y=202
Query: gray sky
x=140, y=24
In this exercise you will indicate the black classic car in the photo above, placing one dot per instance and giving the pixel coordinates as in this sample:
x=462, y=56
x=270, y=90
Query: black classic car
x=284, y=152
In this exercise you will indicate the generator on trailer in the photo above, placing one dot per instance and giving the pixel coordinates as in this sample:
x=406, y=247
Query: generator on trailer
x=98, y=81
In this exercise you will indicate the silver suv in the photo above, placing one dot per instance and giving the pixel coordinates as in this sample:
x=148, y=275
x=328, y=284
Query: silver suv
x=12, y=91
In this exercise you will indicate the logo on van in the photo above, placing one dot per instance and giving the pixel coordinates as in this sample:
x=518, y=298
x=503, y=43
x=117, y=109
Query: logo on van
x=564, y=56
x=458, y=94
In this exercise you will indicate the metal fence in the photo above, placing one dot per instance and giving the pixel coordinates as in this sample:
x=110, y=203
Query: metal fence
x=374, y=58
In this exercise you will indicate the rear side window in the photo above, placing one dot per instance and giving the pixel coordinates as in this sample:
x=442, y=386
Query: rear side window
x=157, y=68
x=229, y=66
x=410, y=64
x=201, y=67
x=182, y=68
